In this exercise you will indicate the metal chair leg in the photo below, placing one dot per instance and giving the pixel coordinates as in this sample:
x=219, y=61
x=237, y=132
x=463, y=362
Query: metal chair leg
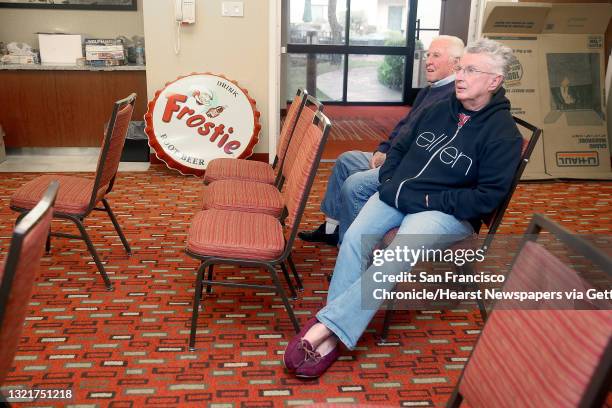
x=298, y=280
x=455, y=400
x=3, y=402
x=210, y=276
x=386, y=323
x=483, y=309
x=20, y=216
x=111, y=215
x=288, y=279
x=197, y=297
x=281, y=292
x=48, y=243
x=468, y=269
x=93, y=252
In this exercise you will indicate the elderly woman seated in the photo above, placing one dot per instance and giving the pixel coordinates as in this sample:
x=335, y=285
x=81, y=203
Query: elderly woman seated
x=436, y=184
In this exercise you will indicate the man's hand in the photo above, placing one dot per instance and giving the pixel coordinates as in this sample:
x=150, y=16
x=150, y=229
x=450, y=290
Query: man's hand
x=377, y=160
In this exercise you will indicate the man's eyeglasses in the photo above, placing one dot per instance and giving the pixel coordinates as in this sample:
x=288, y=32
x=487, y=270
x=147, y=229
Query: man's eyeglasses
x=470, y=70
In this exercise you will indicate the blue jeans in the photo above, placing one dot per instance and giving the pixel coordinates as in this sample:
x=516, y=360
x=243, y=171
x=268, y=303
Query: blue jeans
x=350, y=185
x=344, y=313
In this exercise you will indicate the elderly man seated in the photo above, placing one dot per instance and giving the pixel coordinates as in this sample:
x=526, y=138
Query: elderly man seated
x=354, y=177
x=437, y=183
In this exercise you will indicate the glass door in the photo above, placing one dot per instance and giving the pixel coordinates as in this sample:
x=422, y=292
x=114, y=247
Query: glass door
x=427, y=28
x=351, y=51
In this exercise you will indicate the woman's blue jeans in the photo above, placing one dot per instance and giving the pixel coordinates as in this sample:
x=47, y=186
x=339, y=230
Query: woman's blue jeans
x=349, y=187
x=345, y=313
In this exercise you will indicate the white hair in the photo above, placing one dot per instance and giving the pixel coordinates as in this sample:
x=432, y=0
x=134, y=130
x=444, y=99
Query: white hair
x=501, y=55
x=454, y=45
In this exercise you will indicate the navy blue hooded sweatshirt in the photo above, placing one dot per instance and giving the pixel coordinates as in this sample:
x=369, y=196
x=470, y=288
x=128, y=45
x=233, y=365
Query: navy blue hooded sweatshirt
x=460, y=169
x=425, y=98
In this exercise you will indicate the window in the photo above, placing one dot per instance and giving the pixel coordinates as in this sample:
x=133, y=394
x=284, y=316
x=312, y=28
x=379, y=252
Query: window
x=358, y=51
x=394, y=22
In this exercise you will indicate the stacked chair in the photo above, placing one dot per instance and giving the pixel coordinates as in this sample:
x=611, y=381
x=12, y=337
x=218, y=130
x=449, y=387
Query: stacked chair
x=551, y=357
x=245, y=231
x=250, y=170
x=492, y=221
x=79, y=196
x=17, y=275
x=251, y=196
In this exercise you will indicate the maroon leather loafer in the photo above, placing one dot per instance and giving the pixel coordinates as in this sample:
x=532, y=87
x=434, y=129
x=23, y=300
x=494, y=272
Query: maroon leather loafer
x=315, y=364
x=295, y=352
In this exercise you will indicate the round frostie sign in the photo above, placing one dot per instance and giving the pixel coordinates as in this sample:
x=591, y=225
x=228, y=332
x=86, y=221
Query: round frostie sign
x=201, y=117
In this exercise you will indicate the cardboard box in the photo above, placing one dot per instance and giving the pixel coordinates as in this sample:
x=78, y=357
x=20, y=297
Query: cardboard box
x=558, y=82
x=60, y=49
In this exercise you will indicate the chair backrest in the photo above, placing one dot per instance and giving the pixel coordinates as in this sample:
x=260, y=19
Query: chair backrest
x=300, y=179
x=110, y=153
x=542, y=358
x=304, y=120
x=294, y=111
x=17, y=276
x=494, y=219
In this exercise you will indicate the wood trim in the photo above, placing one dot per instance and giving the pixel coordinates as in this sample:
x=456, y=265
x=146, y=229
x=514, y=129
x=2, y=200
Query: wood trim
x=64, y=108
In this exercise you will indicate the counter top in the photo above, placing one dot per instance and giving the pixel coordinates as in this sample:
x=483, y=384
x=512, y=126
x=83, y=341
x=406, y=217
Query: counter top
x=41, y=67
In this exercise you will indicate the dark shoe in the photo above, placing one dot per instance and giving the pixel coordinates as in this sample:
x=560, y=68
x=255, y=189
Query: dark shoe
x=295, y=352
x=319, y=235
x=315, y=364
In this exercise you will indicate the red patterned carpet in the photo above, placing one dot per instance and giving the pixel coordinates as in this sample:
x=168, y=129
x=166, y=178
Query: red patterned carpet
x=354, y=134
x=386, y=116
x=128, y=348
x=360, y=127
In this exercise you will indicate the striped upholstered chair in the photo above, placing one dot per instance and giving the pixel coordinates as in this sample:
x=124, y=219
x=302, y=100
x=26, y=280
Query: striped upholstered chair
x=78, y=196
x=256, y=239
x=18, y=272
x=249, y=196
x=250, y=170
x=551, y=357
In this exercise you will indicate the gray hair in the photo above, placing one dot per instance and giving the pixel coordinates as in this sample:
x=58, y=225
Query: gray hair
x=454, y=45
x=501, y=55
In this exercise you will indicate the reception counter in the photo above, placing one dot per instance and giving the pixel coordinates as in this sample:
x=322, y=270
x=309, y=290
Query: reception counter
x=64, y=106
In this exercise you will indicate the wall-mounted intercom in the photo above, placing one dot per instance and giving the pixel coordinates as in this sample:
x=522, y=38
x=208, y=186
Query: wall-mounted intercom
x=184, y=13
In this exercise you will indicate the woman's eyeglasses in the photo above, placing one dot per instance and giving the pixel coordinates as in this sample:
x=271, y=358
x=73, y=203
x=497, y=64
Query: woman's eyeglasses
x=470, y=70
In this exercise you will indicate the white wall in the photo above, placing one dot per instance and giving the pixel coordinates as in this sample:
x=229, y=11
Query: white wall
x=21, y=25
x=234, y=46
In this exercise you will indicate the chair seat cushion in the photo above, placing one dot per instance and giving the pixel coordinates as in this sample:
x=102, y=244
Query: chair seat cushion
x=233, y=234
x=72, y=197
x=468, y=242
x=239, y=169
x=246, y=196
